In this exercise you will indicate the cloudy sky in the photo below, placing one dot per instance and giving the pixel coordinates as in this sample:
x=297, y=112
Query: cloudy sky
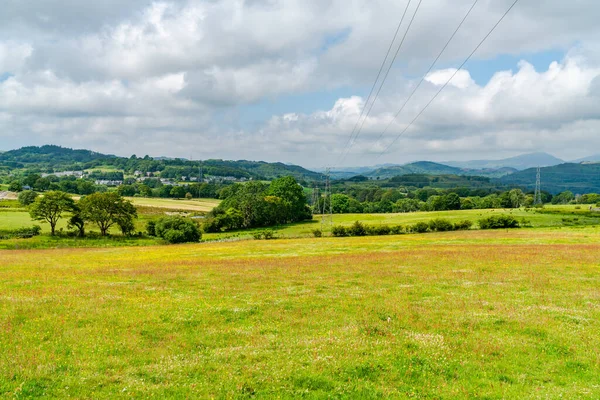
x=286, y=80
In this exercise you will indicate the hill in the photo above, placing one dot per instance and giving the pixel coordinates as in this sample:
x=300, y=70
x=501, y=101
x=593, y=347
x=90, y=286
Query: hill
x=420, y=167
x=578, y=178
x=51, y=158
x=593, y=159
x=522, y=162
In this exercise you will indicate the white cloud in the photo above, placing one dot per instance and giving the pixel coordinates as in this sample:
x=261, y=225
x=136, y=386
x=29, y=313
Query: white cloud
x=13, y=56
x=461, y=79
x=172, y=76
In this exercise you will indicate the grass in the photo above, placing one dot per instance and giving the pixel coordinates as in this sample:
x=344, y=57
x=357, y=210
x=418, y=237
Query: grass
x=551, y=216
x=445, y=316
x=197, y=205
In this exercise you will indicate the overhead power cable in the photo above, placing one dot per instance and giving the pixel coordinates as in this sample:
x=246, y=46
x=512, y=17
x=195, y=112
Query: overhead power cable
x=356, y=133
x=378, y=76
x=445, y=84
x=430, y=68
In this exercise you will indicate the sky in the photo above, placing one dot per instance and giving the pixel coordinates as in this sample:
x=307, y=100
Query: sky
x=286, y=80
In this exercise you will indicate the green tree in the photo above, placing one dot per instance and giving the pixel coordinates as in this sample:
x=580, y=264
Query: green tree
x=178, y=192
x=15, y=186
x=340, y=203
x=77, y=222
x=51, y=207
x=293, y=198
x=107, y=209
x=178, y=230
x=563, y=198
x=27, y=197
x=452, y=201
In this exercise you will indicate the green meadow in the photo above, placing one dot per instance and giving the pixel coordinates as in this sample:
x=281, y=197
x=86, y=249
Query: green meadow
x=459, y=315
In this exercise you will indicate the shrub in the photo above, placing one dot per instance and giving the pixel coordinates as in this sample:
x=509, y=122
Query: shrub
x=21, y=233
x=177, y=230
x=212, y=225
x=440, y=225
x=357, y=229
x=151, y=228
x=378, y=230
x=420, y=227
x=266, y=235
x=339, y=231
x=27, y=197
x=397, y=230
x=499, y=222
x=317, y=233
x=463, y=225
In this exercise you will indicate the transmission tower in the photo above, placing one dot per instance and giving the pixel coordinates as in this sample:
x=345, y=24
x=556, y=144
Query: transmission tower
x=327, y=210
x=538, y=187
x=316, y=200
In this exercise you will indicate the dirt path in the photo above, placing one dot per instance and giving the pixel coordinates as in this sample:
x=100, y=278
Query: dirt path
x=8, y=196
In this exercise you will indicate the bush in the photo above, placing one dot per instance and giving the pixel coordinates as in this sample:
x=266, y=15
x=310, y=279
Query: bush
x=440, y=225
x=177, y=230
x=420, y=227
x=397, y=230
x=339, y=231
x=27, y=197
x=378, y=230
x=317, y=233
x=212, y=225
x=357, y=229
x=21, y=233
x=266, y=235
x=499, y=222
x=463, y=225
x=151, y=228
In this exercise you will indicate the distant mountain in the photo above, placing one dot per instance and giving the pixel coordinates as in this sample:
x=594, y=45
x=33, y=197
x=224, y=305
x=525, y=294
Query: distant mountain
x=420, y=167
x=578, y=178
x=593, y=159
x=522, y=162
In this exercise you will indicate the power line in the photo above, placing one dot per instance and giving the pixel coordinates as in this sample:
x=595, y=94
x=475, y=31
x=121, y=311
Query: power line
x=357, y=133
x=430, y=68
x=538, y=187
x=378, y=75
x=447, y=82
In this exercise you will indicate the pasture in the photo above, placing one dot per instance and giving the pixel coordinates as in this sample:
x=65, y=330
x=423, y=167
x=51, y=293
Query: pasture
x=444, y=315
x=549, y=217
x=194, y=205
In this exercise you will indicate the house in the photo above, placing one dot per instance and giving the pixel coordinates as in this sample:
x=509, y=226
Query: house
x=107, y=182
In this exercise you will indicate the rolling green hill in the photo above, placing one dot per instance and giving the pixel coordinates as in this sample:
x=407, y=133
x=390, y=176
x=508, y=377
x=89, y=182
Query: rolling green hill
x=421, y=167
x=51, y=158
x=578, y=178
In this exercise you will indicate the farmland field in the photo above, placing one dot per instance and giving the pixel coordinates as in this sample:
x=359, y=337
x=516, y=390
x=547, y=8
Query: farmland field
x=198, y=205
x=443, y=315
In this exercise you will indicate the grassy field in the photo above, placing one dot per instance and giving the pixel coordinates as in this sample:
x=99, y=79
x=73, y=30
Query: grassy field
x=195, y=205
x=550, y=216
x=445, y=316
x=13, y=216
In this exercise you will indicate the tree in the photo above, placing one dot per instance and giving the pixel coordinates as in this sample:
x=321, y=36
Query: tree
x=517, y=198
x=563, y=198
x=340, y=203
x=27, y=197
x=77, y=222
x=452, y=201
x=177, y=230
x=15, y=186
x=107, y=209
x=178, y=192
x=293, y=198
x=51, y=207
